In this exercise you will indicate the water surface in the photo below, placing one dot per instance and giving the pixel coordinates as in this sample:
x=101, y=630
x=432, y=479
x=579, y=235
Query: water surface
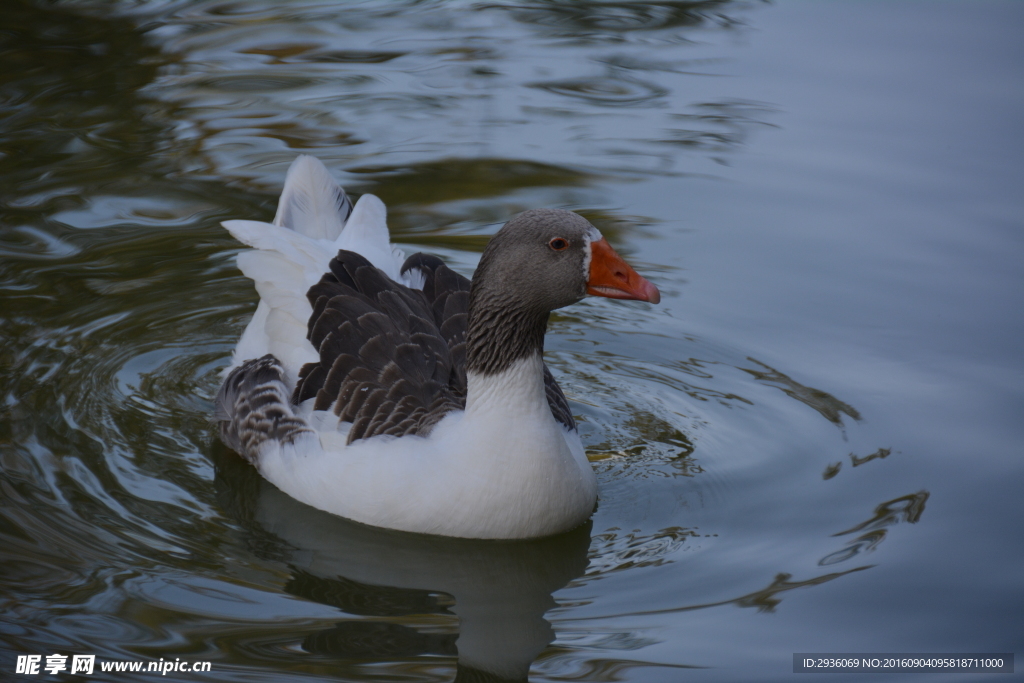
x=811, y=445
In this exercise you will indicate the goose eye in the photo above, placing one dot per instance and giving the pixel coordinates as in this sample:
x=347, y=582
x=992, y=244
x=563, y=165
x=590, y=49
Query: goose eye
x=558, y=243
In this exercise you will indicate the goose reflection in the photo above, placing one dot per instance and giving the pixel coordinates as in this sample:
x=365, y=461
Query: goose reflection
x=499, y=590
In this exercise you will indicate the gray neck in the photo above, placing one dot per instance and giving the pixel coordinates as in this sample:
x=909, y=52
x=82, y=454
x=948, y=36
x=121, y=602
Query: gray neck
x=501, y=331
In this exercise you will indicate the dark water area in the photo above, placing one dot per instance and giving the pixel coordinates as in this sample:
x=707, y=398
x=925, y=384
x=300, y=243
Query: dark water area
x=813, y=444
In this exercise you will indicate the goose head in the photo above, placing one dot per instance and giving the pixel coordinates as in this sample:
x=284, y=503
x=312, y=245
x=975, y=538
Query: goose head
x=541, y=260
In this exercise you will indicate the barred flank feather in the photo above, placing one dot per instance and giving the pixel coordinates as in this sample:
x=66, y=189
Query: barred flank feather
x=253, y=407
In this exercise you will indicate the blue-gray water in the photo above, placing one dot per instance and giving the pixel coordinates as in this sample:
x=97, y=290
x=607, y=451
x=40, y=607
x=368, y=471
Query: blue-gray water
x=813, y=444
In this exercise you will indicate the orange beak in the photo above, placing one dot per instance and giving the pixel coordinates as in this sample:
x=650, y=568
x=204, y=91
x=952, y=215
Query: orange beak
x=612, y=277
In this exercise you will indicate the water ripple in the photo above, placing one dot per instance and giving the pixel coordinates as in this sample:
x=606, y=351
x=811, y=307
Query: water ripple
x=605, y=91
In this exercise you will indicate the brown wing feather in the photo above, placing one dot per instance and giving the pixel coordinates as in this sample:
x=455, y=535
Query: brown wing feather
x=392, y=359
x=384, y=365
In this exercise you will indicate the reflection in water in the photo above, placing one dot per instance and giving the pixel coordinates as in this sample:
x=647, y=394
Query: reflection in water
x=499, y=590
x=600, y=669
x=315, y=53
x=830, y=407
x=907, y=508
x=427, y=201
x=611, y=90
x=855, y=461
x=767, y=599
x=718, y=127
x=487, y=81
x=615, y=550
x=376, y=640
x=832, y=470
x=648, y=436
x=72, y=99
x=865, y=543
x=591, y=21
x=764, y=600
x=903, y=509
x=880, y=454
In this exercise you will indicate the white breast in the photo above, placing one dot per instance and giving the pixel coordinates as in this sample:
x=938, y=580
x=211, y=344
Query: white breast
x=503, y=468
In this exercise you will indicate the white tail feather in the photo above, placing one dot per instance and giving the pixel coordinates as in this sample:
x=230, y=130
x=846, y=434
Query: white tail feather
x=291, y=255
x=366, y=233
x=312, y=203
x=292, y=245
x=254, y=342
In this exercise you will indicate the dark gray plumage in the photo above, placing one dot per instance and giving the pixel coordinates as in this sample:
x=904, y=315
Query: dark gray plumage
x=385, y=365
x=519, y=281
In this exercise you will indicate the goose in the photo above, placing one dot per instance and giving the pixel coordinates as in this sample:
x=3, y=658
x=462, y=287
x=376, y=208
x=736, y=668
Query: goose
x=397, y=393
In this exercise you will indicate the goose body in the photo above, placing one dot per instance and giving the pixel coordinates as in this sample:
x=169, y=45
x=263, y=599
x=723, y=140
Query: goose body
x=394, y=392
